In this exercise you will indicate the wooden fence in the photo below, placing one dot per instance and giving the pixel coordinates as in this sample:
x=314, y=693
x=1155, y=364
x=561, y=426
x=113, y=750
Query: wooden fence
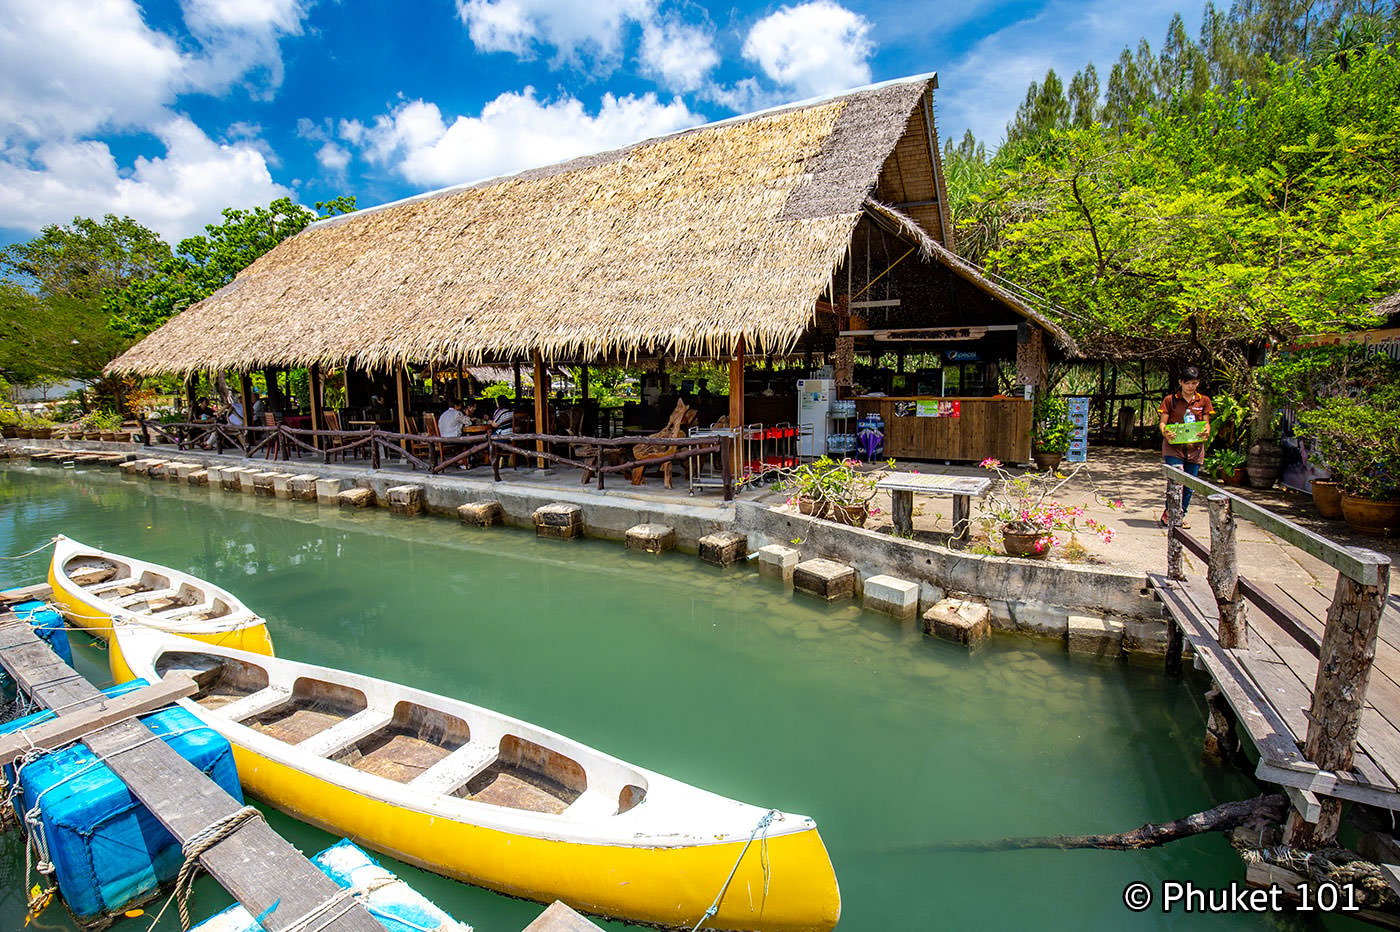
x=595, y=456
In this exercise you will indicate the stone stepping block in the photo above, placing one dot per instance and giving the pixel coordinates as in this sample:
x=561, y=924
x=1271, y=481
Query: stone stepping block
x=198, y=477
x=651, y=538
x=231, y=478
x=898, y=598
x=778, y=562
x=328, y=490
x=724, y=548
x=155, y=469
x=959, y=620
x=132, y=467
x=302, y=488
x=265, y=483
x=356, y=498
x=179, y=472
x=481, y=514
x=248, y=481
x=825, y=579
x=1092, y=636
x=559, y=520
x=282, y=485
x=406, y=500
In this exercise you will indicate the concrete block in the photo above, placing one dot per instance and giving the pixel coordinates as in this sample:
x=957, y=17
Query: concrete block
x=1093, y=636
x=724, y=547
x=265, y=483
x=481, y=514
x=1145, y=637
x=1035, y=618
x=560, y=520
x=328, y=490
x=826, y=579
x=651, y=538
x=176, y=472
x=155, y=469
x=303, y=487
x=778, y=561
x=248, y=480
x=890, y=596
x=406, y=500
x=356, y=498
x=959, y=620
x=282, y=485
x=231, y=478
x=197, y=477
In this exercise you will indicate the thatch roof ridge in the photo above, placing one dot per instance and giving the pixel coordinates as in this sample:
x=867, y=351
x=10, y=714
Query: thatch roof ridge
x=927, y=80
x=1387, y=306
x=929, y=248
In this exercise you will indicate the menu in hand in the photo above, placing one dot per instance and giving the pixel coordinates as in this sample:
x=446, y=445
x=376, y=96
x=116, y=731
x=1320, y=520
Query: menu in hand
x=1188, y=433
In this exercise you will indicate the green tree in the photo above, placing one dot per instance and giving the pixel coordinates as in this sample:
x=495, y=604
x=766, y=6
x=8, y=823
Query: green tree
x=1045, y=108
x=203, y=264
x=1084, y=97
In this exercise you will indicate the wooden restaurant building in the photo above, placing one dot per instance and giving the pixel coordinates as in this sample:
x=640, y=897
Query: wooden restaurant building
x=812, y=239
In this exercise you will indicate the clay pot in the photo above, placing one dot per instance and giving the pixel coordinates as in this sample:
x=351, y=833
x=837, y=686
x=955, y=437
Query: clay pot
x=1045, y=460
x=111, y=436
x=809, y=506
x=92, y=435
x=854, y=515
x=1367, y=516
x=9, y=432
x=1264, y=465
x=1025, y=544
x=1236, y=476
x=1327, y=498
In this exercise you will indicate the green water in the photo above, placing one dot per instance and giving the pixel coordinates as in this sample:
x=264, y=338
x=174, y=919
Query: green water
x=895, y=743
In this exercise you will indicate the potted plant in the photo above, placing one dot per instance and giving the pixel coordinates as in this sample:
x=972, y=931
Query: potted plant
x=40, y=427
x=830, y=488
x=1025, y=512
x=1359, y=439
x=1050, y=432
x=108, y=424
x=1226, y=466
x=1327, y=498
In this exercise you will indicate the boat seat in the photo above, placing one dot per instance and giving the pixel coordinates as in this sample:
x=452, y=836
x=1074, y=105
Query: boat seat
x=154, y=595
x=184, y=611
x=254, y=704
x=112, y=584
x=593, y=803
x=456, y=768
x=343, y=734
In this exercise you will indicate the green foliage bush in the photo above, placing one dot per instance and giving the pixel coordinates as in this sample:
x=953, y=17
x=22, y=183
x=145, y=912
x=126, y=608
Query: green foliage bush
x=1359, y=439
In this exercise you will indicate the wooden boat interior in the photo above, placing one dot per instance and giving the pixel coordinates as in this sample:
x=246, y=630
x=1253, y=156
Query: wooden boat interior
x=419, y=747
x=148, y=592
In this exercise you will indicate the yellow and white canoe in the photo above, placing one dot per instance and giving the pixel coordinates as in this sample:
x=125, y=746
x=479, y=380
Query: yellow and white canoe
x=101, y=592
x=491, y=800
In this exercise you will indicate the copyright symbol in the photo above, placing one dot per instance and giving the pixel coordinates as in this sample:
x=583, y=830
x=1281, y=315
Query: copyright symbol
x=1137, y=896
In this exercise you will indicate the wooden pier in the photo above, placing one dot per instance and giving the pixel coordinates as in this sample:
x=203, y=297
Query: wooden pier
x=253, y=863
x=1312, y=679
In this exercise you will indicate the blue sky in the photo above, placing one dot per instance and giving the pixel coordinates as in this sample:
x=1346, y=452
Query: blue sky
x=170, y=110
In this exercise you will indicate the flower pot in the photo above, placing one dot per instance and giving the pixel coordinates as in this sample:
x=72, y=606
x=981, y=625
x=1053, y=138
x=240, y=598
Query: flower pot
x=1367, y=516
x=1045, y=460
x=1264, y=464
x=9, y=432
x=853, y=515
x=810, y=506
x=1327, y=498
x=41, y=433
x=92, y=435
x=1236, y=476
x=1034, y=544
x=24, y=433
x=111, y=436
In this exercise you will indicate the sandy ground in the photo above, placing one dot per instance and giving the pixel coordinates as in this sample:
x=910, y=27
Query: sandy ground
x=1140, y=542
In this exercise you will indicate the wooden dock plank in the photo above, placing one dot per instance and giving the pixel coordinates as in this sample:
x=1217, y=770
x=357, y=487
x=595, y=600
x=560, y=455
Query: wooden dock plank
x=73, y=725
x=560, y=918
x=254, y=864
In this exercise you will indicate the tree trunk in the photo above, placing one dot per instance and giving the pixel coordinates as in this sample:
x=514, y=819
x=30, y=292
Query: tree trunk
x=1223, y=574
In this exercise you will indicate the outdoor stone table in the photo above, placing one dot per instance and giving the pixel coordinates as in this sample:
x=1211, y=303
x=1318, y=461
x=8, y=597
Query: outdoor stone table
x=903, y=485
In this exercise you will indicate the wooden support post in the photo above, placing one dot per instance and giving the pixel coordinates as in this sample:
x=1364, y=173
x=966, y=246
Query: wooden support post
x=1221, y=738
x=902, y=512
x=1223, y=574
x=515, y=367
x=583, y=382
x=541, y=408
x=1174, y=517
x=191, y=393
x=401, y=388
x=245, y=390
x=1343, y=672
x=1174, y=645
x=736, y=406
x=313, y=376
x=962, y=522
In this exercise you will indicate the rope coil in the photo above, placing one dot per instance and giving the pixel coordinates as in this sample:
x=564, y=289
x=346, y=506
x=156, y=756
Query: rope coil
x=200, y=842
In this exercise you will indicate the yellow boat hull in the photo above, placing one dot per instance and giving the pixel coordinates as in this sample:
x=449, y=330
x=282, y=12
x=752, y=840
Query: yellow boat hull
x=82, y=614
x=783, y=884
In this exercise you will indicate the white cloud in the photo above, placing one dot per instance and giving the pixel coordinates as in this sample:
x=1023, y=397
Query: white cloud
x=981, y=90
x=576, y=29
x=333, y=158
x=813, y=48
x=679, y=54
x=175, y=194
x=71, y=70
x=513, y=132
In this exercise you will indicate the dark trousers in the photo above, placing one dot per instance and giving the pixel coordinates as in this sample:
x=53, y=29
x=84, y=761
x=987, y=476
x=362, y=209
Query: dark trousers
x=1191, y=469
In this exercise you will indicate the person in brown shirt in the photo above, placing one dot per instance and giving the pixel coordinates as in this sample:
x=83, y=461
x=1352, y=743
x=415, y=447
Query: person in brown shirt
x=1184, y=406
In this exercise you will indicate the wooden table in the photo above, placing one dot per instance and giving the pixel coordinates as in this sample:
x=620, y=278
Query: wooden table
x=903, y=485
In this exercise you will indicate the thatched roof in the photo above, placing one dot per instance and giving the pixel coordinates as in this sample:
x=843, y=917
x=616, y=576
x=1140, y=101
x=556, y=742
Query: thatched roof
x=1388, y=307
x=682, y=245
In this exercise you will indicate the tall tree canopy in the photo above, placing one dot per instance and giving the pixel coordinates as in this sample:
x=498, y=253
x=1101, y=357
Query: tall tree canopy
x=203, y=264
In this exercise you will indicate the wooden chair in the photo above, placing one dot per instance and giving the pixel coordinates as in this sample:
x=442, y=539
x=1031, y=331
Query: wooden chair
x=273, y=451
x=424, y=449
x=331, y=421
x=677, y=425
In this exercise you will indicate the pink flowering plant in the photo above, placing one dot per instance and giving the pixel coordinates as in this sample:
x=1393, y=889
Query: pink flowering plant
x=830, y=481
x=1029, y=504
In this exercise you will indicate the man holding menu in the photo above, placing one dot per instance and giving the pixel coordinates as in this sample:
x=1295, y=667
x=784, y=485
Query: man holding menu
x=1185, y=426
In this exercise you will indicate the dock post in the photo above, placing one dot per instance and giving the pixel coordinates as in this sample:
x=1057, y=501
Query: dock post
x=1174, y=571
x=1223, y=574
x=1343, y=671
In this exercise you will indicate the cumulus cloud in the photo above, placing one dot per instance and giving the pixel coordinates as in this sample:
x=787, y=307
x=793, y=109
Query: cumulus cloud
x=71, y=70
x=678, y=54
x=513, y=132
x=592, y=29
x=175, y=194
x=813, y=48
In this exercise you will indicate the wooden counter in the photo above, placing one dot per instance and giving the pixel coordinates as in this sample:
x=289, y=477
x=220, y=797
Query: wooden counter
x=997, y=427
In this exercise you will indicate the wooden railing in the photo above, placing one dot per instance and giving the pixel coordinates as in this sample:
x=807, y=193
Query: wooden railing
x=1348, y=646
x=602, y=456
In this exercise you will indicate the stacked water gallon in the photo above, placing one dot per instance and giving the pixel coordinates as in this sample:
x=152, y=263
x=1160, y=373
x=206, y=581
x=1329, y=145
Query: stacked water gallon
x=1079, y=433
